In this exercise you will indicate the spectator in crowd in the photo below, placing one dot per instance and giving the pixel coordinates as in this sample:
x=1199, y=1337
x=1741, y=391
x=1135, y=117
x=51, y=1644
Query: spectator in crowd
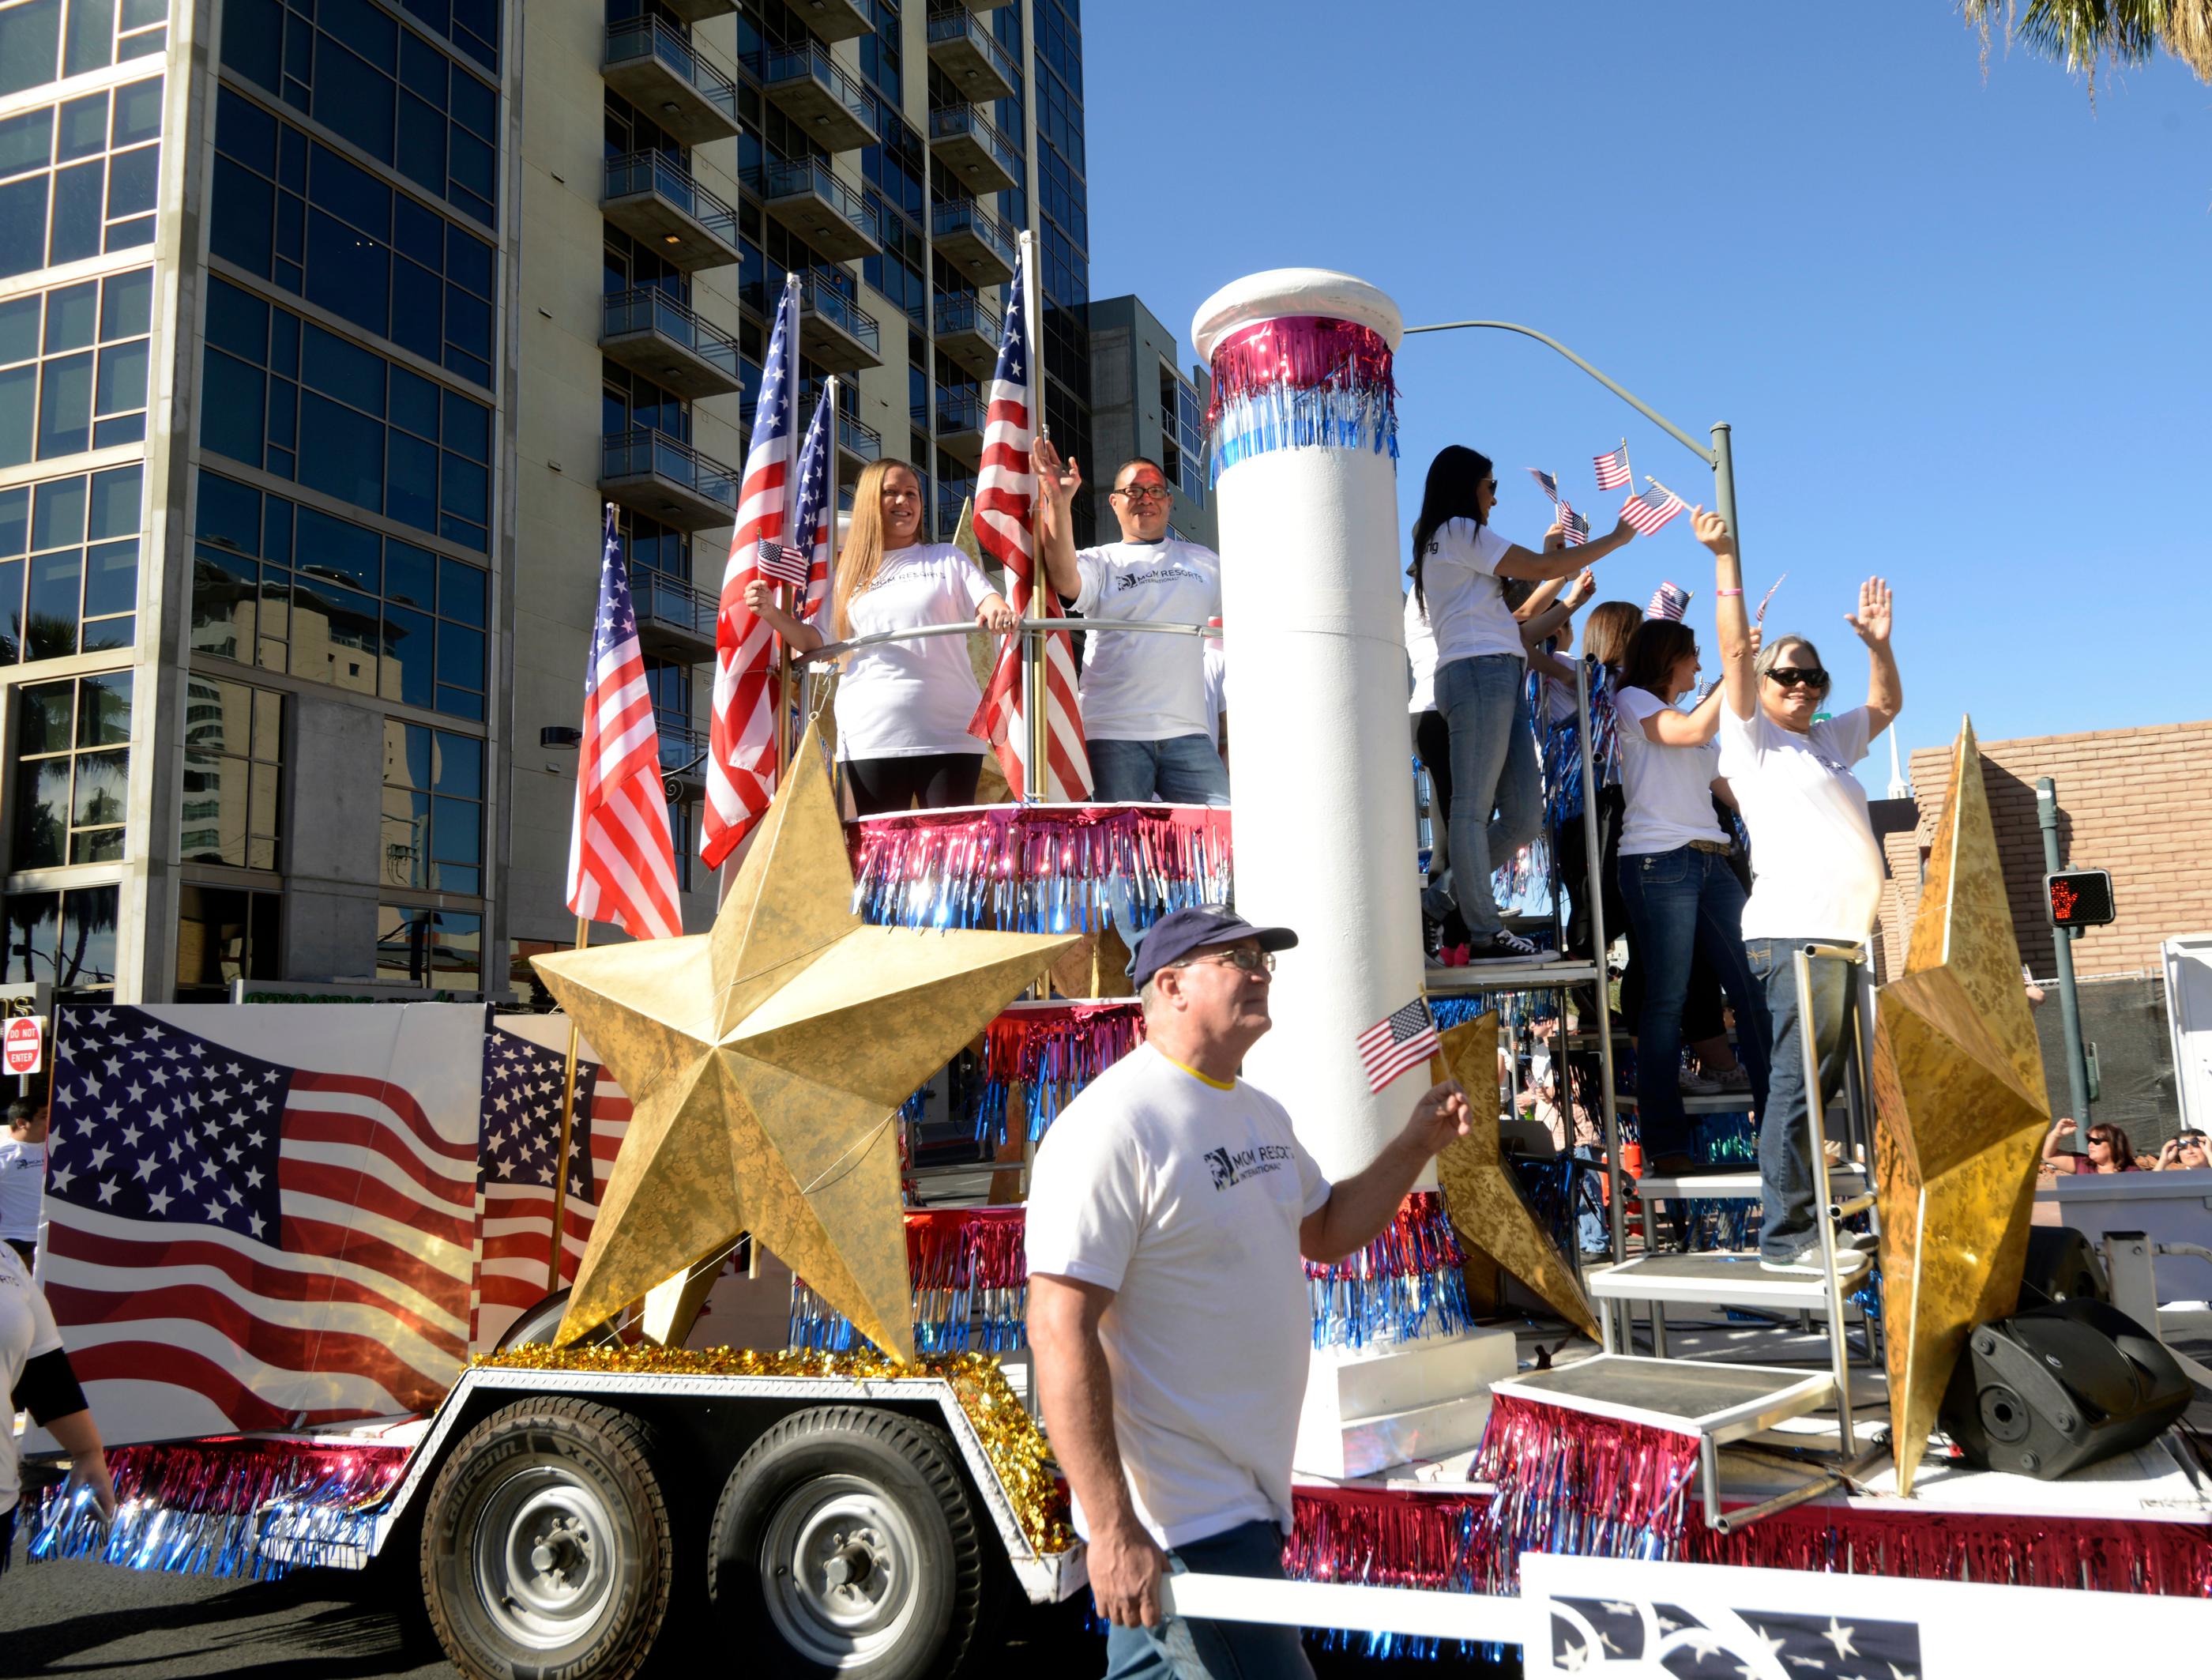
x=903, y=708
x=1459, y=565
x=22, y=1177
x=1683, y=898
x=2185, y=1153
x=2109, y=1149
x=39, y=1381
x=1817, y=874
x=1142, y=693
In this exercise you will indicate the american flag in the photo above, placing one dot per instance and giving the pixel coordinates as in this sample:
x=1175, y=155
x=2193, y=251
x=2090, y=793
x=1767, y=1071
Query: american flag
x=741, y=759
x=518, y=1137
x=1404, y=1038
x=1005, y=497
x=1546, y=482
x=1613, y=467
x=810, y=528
x=622, y=860
x=783, y=562
x=1649, y=509
x=1574, y=526
x=1669, y=600
x=1728, y=1644
x=285, y=1244
x=1767, y=600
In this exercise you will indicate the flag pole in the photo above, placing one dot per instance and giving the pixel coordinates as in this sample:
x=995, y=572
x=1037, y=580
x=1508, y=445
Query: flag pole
x=568, y=1117
x=1036, y=699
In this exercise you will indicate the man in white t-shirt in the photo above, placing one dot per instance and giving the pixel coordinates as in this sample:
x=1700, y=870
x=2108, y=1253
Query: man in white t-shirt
x=22, y=1178
x=1816, y=870
x=1168, y=1208
x=1143, y=692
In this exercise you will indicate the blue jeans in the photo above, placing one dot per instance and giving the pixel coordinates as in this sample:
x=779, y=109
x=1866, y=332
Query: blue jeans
x=1682, y=904
x=1484, y=700
x=1788, y=1217
x=1186, y=1648
x=1184, y=770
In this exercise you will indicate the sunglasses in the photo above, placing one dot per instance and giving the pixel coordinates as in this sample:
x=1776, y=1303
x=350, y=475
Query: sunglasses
x=1251, y=962
x=1144, y=492
x=2105, y=1138
x=1790, y=676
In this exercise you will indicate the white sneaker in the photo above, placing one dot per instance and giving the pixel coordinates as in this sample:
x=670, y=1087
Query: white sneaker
x=1849, y=1263
x=1736, y=1081
x=1508, y=947
x=1695, y=1083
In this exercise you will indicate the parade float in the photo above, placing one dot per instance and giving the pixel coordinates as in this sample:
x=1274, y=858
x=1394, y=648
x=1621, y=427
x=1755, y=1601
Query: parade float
x=572, y=1472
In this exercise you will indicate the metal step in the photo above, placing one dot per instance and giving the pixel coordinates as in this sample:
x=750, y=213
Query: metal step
x=1505, y=977
x=1707, y=1280
x=1735, y=1185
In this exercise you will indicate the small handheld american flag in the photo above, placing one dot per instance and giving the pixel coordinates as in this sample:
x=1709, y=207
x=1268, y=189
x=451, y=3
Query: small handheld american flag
x=1404, y=1038
x=783, y=562
x=1546, y=482
x=1649, y=510
x=1613, y=467
x=1766, y=600
x=1669, y=600
x=1574, y=526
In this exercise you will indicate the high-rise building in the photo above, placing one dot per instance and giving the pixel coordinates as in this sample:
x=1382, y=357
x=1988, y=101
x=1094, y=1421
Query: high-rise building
x=1143, y=404
x=325, y=328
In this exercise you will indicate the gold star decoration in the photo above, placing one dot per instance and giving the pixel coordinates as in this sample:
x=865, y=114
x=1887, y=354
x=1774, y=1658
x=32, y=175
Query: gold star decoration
x=1961, y=1111
x=764, y=1060
x=1480, y=1195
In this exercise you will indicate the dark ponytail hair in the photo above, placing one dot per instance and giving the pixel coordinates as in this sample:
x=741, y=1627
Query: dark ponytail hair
x=1455, y=476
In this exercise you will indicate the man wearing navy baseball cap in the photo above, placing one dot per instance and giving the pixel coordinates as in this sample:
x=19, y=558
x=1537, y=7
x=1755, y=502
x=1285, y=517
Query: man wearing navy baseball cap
x=1168, y=1211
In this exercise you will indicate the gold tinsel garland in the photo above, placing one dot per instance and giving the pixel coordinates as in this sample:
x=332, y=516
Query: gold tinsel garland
x=1011, y=1438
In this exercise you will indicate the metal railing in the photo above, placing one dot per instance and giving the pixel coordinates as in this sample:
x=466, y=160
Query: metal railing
x=788, y=177
x=683, y=748
x=649, y=309
x=952, y=22
x=649, y=37
x=857, y=438
x=645, y=450
x=947, y=121
x=659, y=173
x=959, y=410
x=813, y=63
x=955, y=215
x=963, y=312
x=952, y=495
x=825, y=300
x=662, y=600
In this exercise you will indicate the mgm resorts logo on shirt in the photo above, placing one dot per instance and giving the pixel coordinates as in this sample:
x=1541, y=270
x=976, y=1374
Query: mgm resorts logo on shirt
x=1167, y=574
x=1235, y=1168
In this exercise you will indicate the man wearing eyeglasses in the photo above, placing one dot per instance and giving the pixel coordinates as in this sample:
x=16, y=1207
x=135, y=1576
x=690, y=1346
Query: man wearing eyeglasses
x=1143, y=692
x=1816, y=871
x=1168, y=1209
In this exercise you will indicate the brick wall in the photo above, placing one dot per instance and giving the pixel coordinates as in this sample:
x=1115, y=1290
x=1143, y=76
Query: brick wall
x=2135, y=801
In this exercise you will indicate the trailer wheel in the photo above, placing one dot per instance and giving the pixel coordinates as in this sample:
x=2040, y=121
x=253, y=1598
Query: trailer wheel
x=546, y=1545
x=847, y=1534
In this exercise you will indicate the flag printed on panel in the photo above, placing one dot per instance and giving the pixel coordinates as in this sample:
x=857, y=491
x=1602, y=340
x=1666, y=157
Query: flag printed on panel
x=1005, y=496
x=1592, y=1635
x=1574, y=526
x=1669, y=600
x=1546, y=482
x=1404, y=1038
x=1649, y=510
x=1613, y=467
x=283, y=1243
x=622, y=860
x=741, y=757
x=518, y=1139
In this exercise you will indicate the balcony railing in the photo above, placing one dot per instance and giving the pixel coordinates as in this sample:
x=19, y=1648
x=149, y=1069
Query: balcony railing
x=640, y=38
x=857, y=438
x=788, y=177
x=959, y=410
x=659, y=173
x=681, y=745
x=965, y=215
x=949, y=122
x=649, y=309
x=825, y=301
x=790, y=70
x=961, y=311
x=956, y=26
x=672, y=604
x=952, y=495
x=645, y=452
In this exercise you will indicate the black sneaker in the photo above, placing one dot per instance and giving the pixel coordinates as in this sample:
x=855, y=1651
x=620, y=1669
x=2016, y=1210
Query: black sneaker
x=1508, y=947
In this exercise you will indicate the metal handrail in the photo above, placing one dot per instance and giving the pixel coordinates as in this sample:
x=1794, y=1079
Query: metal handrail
x=660, y=599
x=956, y=213
x=960, y=312
x=647, y=449
x=656, y=172
x=648, y=308
x=947, y=120
x=959, y=410
x=949, y=23
x=812, y=62
x=832, y=305
x=786, y=177
x=649, y=37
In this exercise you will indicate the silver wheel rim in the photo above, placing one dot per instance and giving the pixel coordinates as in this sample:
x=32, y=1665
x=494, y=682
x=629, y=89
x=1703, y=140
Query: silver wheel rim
x=838, y=1572
x=544, y=1555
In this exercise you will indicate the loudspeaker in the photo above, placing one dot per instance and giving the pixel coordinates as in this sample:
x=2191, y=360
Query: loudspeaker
x=2045, y=1391
x=2063, y=1265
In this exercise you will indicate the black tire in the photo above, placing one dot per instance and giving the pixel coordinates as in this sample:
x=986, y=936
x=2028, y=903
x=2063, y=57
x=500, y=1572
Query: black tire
x=547, y=1546
x=878, y=1495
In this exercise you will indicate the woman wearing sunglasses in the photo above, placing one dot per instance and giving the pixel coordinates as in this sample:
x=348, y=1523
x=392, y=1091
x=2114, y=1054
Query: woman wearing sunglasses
x=2109, y=1150
x=1816, y=869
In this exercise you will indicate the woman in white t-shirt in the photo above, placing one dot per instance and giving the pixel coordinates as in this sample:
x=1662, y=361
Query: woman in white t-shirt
x=1496, y=796
x=903, y=708
x=1817, y=871
x=1677, y=883
x=35, y=1371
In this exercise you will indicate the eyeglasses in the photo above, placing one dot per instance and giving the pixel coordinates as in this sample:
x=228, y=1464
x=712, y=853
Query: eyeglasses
x=1144, y=492
x=1490, y=484
x=1790, y=676
x=1243, y=958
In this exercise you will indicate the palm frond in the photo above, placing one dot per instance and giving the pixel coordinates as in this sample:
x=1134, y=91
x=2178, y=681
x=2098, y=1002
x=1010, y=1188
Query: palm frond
x=2084, y=35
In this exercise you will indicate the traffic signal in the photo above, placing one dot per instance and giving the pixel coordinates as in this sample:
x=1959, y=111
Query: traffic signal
x=2079, y=897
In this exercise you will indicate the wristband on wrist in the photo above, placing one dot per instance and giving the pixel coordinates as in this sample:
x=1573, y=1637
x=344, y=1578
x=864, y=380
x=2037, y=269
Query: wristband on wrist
x=1725, y=592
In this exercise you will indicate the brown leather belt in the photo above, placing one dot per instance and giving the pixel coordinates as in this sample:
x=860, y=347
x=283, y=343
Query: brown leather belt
x=1717, y=847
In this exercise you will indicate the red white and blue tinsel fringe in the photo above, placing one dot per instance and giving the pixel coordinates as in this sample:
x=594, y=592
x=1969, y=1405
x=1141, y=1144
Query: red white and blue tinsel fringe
x=971, y=1286
x=205, y=1508
x=1404, y=1285
x=1301, y=382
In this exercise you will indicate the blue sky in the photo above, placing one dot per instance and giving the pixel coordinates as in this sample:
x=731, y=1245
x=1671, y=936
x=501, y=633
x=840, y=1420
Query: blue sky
x=1959, y=327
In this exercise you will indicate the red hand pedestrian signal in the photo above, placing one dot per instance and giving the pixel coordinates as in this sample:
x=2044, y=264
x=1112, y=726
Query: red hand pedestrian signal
x=2079, y=897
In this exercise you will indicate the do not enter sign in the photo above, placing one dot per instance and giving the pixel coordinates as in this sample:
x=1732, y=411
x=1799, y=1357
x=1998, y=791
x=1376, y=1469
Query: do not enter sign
x=24, y=1046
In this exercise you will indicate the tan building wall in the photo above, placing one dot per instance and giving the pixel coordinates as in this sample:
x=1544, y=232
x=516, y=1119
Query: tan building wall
x=2138, y=802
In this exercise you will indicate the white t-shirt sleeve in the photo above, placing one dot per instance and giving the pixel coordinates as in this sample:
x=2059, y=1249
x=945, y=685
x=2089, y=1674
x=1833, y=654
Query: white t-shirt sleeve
x=1090, y=566
x=1314, y=1187
x=969, y=581
x=1086, y=1206
x=1476, y=547
x=1633, y=705
x=1846, y=736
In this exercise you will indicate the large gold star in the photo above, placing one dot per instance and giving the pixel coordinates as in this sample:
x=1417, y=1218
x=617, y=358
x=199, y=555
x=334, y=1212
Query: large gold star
x=1481, y=1197
x=1960, y=1116
x=764, y=1060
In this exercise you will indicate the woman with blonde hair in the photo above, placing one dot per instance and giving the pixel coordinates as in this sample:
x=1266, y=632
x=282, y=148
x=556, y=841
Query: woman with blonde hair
x=902, y=706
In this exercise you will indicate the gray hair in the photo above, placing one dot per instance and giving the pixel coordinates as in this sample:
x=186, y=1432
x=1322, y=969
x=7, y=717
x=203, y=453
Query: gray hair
x=1148, y=995
x=1769, y=654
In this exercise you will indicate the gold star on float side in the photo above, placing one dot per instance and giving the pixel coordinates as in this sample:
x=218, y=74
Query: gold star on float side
x=764, y=1060
x=1960, y=1116
x=1480, y=1194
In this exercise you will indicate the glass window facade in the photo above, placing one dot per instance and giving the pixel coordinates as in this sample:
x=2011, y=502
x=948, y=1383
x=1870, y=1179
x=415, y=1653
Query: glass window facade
x=284, y=395
x=421, y=947
x=233, y=774
x=65, y=939
x=369, y=79
x=68, y=564
x=79, y=178
x=434, y=790
x=291, y=589
x=295, y=212
x=72, y=762
x=73, y=366
x=44, y=40
x=225, y=933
